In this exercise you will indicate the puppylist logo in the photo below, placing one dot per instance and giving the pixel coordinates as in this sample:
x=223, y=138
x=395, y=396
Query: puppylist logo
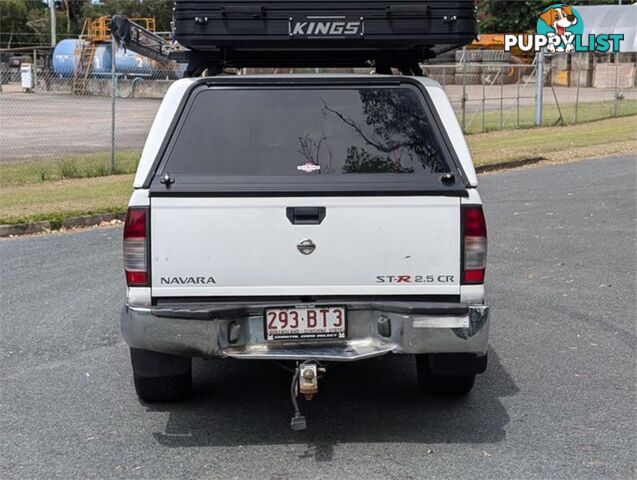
x=560, y=28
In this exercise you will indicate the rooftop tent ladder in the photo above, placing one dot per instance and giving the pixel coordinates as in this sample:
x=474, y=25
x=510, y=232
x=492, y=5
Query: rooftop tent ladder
x=138, y=39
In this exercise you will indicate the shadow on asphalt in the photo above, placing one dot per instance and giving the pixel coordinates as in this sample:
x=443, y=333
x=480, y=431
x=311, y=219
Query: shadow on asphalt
x=248, y=403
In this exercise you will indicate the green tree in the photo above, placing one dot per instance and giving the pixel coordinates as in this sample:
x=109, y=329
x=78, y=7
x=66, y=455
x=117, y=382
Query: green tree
x=358, y=160
x=509, y=16
x=15, y=22
x=498, y=16
x=160, y=10
x=395, y=129
x=27, y=22
x=73, y=13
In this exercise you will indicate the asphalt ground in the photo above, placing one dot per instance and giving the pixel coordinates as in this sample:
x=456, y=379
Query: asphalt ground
x=39, y=126
x=557, y=401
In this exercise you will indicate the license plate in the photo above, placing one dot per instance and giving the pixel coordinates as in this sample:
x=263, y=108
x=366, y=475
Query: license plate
x=302, y=322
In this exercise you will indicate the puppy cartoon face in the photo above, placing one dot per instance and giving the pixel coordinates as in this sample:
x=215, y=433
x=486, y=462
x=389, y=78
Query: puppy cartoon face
x=560, y=18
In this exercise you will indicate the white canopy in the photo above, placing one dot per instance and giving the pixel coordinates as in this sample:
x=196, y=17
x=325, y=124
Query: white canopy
x=612, y=19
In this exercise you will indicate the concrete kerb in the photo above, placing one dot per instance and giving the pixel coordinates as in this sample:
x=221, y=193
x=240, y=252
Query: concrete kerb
x=81, y=221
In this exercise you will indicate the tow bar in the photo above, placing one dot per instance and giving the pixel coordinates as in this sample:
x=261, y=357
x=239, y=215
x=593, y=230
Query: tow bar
x=304, y=382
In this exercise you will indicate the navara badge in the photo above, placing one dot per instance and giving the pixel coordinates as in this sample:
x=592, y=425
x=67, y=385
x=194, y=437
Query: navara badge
x=306, y=246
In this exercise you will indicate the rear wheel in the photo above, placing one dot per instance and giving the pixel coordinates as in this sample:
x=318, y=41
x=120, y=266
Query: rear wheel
x=442, y=380
x=161, y=377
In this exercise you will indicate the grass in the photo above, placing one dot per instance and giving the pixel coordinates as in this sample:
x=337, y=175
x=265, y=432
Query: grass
x=60, y=199
x=72, y=166
x=57, y=200
x=603, y=137
x=586, y=112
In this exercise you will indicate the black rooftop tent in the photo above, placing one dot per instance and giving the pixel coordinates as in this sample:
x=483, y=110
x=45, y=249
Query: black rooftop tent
x=333, y=33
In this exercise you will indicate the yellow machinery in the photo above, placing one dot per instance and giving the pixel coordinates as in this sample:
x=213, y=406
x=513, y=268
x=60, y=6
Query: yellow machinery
x=95, y=32
x=495, y=41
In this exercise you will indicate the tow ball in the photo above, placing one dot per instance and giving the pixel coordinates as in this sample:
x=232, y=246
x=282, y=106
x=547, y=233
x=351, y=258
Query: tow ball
x=304, y=382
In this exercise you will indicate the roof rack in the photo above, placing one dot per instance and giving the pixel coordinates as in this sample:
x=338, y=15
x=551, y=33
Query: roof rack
x=216, y=61
x=215, y=35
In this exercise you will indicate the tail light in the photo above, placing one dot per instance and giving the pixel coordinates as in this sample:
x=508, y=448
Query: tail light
x=136, y=247
x=474, y=246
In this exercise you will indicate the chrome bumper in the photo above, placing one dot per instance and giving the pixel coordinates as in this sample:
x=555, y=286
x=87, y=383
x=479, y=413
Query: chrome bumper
x=373, y=329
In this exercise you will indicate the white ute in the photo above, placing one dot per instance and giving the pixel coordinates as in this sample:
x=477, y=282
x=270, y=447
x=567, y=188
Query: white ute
x=311, y=219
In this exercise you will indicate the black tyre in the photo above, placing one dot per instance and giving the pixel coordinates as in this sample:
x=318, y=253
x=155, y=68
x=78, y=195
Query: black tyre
x=163, y=389
x=436, y=384
x=161, y=377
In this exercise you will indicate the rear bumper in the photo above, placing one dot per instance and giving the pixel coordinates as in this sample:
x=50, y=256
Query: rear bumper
x=374, y=329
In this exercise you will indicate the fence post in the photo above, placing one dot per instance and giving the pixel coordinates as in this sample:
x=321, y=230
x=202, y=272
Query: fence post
x=501, y=98
x=616, y=103
x=52, y=24
x=483, y=106
x=517, y=115
x=539, y=87
x=35, y=70
x=464, y=87
x=113, y=94
x=444, y=78
x=579, y=81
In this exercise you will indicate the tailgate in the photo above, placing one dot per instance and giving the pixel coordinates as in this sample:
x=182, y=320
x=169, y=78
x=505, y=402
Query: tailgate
x=215, y=246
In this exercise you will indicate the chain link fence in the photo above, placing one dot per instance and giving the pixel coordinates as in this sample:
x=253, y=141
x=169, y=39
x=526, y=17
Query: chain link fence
x=491, y=90
x=54, y=127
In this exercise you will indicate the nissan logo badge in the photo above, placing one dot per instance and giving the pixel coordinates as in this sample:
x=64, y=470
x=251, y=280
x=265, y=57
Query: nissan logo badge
x=306, y=246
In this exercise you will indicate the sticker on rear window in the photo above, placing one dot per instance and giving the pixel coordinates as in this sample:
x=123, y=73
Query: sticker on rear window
x=309, y=167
